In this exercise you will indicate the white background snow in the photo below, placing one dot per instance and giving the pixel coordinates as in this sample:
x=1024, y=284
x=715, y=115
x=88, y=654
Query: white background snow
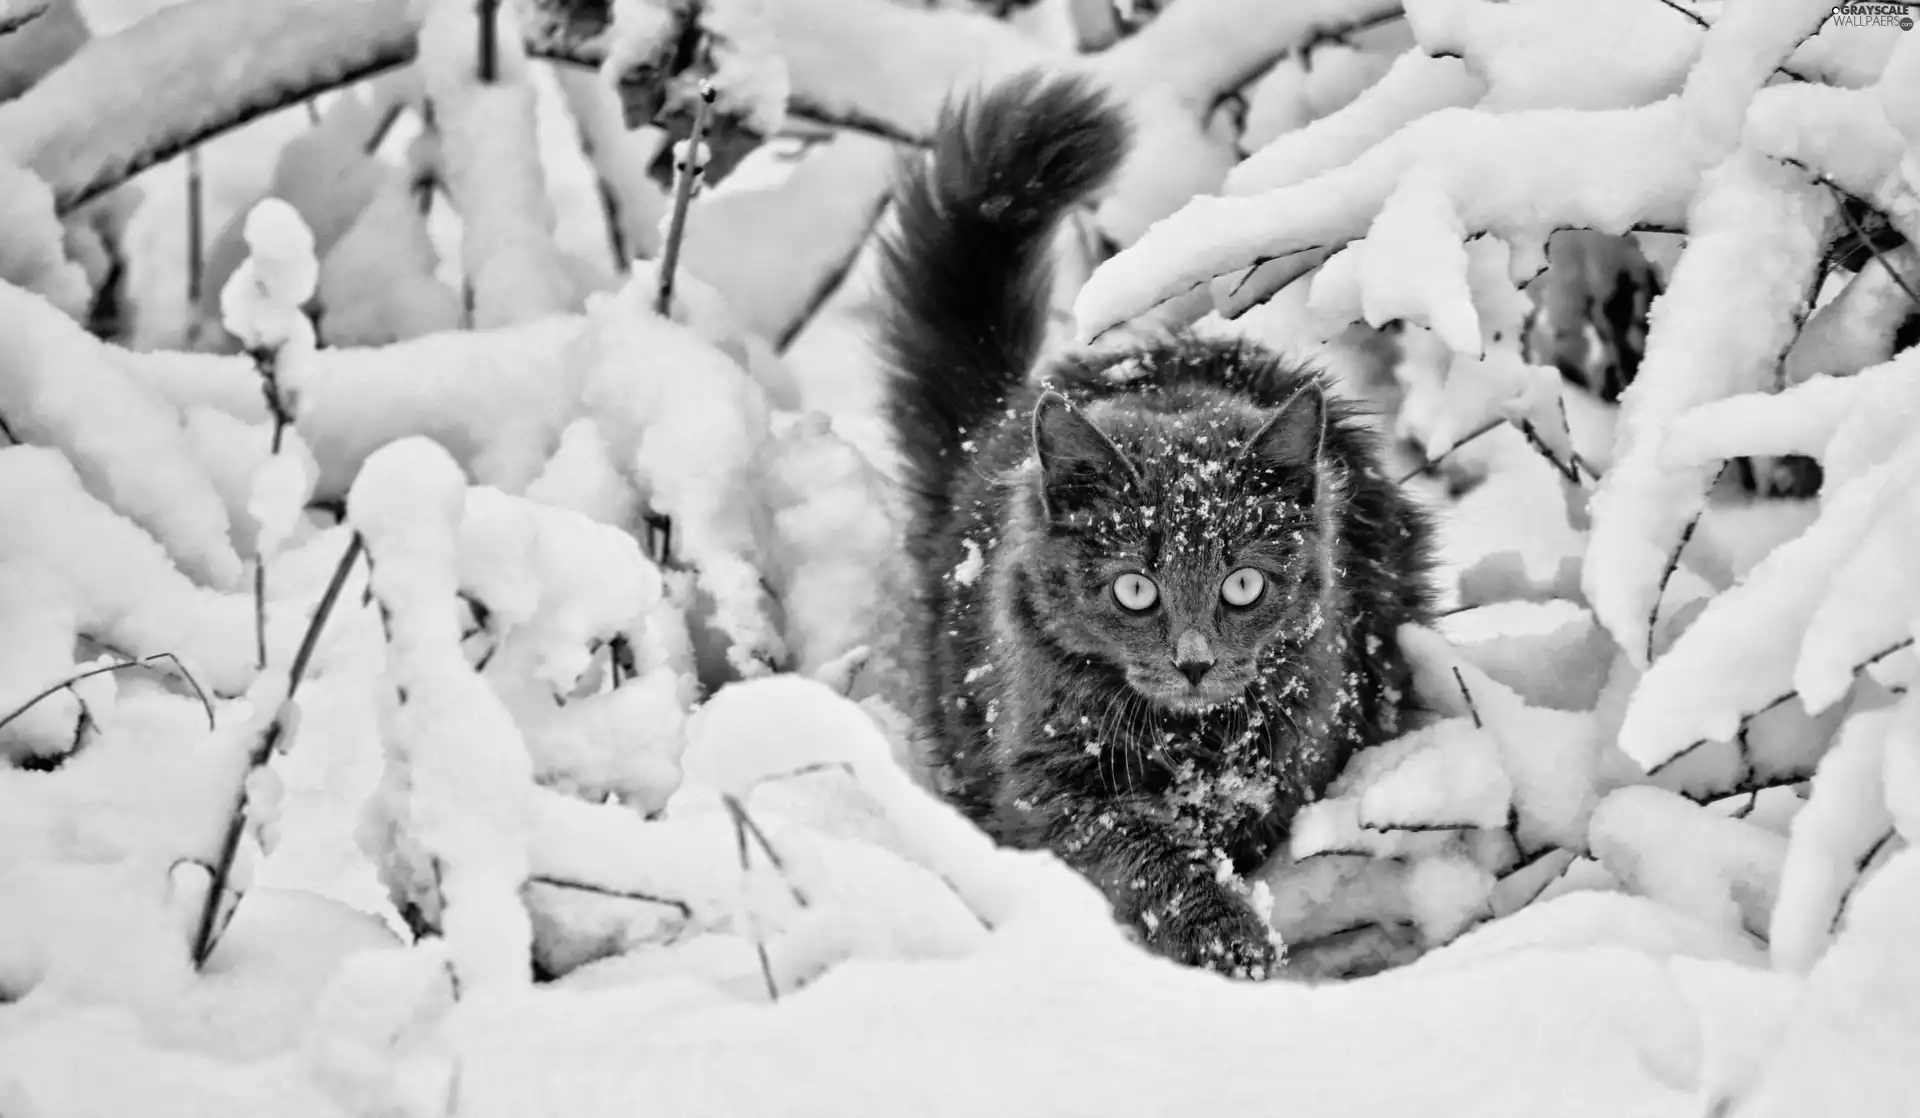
x=554, y=815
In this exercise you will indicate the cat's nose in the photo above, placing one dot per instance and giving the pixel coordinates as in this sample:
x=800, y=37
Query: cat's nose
x=1192, y=656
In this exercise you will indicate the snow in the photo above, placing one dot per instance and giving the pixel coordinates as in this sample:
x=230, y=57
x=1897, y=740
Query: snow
x=489, y=164
x=1479, y=158
x=124, y=441
x=1723, y=668
x=118, y=578
x=31, y=256
x=1415, y=85
x=1414, y=265
x=457, y=770
x=128, y=95
x=559, y=822
x=1644, y=48
x=1845, y=818
x=1755, y=234
x=1719, y=870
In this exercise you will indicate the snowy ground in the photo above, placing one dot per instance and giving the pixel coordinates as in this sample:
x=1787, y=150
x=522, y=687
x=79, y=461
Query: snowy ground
x=1654, y=856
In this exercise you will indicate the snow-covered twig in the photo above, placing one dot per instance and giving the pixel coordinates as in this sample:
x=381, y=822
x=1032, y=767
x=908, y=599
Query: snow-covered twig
x=187, y=73
x=688, y=167
x=204, y=937
x=1203, y=49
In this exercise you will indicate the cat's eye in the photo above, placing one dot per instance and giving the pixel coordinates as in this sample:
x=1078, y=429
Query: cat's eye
x=1243, y=587
x=1135, y=592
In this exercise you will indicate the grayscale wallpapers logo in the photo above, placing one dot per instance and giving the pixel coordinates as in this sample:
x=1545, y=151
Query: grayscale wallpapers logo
x=1876, y=15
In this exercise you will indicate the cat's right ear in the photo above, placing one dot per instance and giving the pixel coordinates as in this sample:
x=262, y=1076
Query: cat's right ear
x=1076, y=458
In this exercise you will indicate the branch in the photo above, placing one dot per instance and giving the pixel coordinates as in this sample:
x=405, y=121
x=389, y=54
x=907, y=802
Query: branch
x=143, y=662
x=686, y=180
x=204, y=938
x=1673, y=564
x=1427, y=465
x=1778, y=700
x=682, y=907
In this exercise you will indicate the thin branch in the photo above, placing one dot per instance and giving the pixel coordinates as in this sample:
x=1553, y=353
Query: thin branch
x=830, y=283
x=196, y=231
x=1853, y=225
x=1343, y=35
x=686, y=178
x=260, y=612
x=1870, y=661
x=204, y=938
x=382, y=127
x=123, y=665
x=1461, y=682
x=759, y=945
x=1859, y=875
x=1673, y=565
x=739, y=812
x=489, y=45
x=682, y=907
x=1427, y=465
x=198, y=692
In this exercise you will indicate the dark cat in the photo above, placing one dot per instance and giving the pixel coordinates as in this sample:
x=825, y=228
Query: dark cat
x=1161, y=590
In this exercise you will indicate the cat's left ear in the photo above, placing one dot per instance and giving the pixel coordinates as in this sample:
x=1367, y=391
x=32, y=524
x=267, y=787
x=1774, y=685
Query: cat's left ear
x=1297, y=433
x=1075, y=456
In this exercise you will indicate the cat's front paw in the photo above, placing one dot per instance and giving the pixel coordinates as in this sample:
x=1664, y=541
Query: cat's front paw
x=1216, y=931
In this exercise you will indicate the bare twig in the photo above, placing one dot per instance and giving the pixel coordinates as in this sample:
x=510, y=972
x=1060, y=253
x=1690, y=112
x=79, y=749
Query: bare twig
x=759, y=945
x=1461, y=682
x=1673, y=564
x=198, y=692
x=489, y=46
x=260, y=612
x=196, y=235
x=123, y=665
x=829, y=283
x=1427, y=465
x=267, y=363
x=1853, y=225
x=1777, y=700
x=687, y=175
x=382, y=127
x=203, y=940
x=1859, y=875
x=607, y=891
x=739, y=812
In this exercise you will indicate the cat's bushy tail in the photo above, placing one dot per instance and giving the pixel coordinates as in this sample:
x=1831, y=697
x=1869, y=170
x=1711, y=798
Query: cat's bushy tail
x=967, y=267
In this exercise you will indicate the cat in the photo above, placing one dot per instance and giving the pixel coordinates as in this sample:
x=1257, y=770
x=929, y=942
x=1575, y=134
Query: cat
x=1161, y=584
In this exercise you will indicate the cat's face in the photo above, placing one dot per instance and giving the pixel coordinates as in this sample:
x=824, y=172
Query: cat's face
x=1182, y=549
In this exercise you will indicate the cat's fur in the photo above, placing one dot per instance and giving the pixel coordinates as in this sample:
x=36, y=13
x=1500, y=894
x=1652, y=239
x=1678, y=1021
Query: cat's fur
x=1060, y=718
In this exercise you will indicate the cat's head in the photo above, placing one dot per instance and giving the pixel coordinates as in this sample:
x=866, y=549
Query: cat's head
x=1181, y=540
